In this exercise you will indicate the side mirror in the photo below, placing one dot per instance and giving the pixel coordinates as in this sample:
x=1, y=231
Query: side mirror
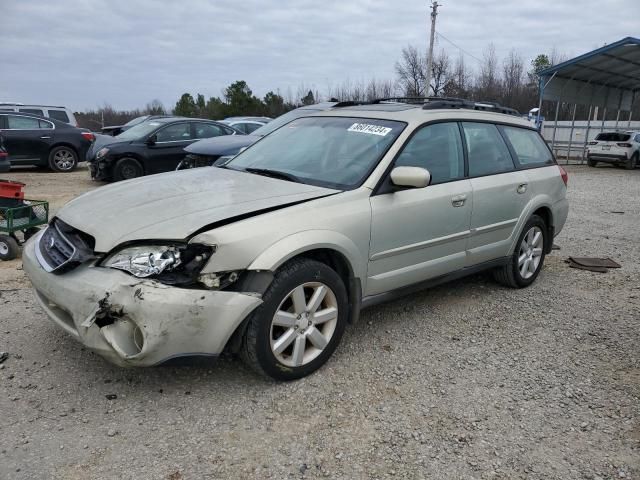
x=151, y=140
x=413, y=177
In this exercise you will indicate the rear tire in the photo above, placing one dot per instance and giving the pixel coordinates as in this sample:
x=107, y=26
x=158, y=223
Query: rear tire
x=632, y=162
x=9, y=248
x=63, y=159
x=591, y=163
x=528, y=257
x=126, y=169
x=300, y=322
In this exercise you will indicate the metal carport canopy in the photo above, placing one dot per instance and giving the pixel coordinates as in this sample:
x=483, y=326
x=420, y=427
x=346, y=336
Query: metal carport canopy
x=608, y=77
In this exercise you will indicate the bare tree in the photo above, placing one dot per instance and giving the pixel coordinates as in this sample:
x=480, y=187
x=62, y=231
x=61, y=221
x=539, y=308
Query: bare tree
x=410, y=70
x=440, y=72
x=488, y=83
x=513, y=77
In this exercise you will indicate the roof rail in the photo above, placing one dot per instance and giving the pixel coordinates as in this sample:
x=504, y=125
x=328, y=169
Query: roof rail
x=445, y=102
x=348, y=103
x=418, y=100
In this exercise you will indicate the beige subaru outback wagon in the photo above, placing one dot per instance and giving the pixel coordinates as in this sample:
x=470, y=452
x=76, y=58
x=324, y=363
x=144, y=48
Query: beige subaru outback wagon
x=274, y=253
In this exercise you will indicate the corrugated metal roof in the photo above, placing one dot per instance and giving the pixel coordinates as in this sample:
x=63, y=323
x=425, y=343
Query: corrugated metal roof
x=607, y=76
x=615, y=65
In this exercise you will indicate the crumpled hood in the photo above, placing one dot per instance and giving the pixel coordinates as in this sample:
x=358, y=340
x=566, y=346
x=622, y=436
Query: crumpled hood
x=222, y=145
x=172, y=206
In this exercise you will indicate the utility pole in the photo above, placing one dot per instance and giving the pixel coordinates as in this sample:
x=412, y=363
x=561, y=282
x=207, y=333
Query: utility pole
x=434, y=14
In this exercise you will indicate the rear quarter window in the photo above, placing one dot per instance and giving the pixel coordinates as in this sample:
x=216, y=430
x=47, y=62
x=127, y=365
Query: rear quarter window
x=529, y=147
x=59, y=115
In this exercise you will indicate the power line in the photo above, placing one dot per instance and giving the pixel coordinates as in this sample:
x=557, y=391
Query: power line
x=459, y=48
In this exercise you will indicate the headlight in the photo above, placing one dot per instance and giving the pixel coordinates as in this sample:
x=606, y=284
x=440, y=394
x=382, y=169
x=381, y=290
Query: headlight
x=102, y=152
x=176, y=264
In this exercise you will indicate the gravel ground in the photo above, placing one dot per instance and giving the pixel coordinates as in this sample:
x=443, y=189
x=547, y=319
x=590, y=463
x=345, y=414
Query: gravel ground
x=467, y=380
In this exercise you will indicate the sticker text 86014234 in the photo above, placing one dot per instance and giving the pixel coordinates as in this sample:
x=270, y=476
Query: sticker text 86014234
x=370, y=129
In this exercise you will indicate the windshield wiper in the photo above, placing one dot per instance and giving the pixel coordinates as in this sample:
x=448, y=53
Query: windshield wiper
x=273, y=173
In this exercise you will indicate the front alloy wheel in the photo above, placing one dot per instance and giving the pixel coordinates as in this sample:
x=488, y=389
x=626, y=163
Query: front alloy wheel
x=304, y=324
x=300, y=322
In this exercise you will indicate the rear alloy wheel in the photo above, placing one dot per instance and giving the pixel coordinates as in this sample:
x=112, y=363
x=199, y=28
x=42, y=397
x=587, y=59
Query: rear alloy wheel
x=9, y=248
x=632, y=162
x=63, y=159
x=299, y=324
x=591, y=163
x=528, y=257
x=126, y=169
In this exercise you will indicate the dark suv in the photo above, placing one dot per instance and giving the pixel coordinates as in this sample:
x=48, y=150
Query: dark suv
x=150, y=147
x=34, y=140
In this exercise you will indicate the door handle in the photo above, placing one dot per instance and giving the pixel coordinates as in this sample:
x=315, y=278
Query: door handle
x=45, y=137
x=458, y=200
x=522, y=188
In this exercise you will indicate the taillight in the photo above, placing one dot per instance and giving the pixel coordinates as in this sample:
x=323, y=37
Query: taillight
x=624, y=145
x=592, y=143
x=88, y=136
x=3, y=154
x=564, y=175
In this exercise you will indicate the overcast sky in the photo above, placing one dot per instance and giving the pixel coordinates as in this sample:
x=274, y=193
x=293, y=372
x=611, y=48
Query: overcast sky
x=128, y=52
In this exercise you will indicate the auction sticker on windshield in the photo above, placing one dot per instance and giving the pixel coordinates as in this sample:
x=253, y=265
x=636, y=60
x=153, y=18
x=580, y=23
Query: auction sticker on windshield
x=370, y=129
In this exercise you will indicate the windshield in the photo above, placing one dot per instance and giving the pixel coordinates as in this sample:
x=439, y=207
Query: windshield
x=138, y=131
x=334, y=152
x=284, y=119
x=136, y=120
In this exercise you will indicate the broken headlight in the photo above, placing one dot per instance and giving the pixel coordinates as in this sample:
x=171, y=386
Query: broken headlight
x=102, y=153
x=172, y=264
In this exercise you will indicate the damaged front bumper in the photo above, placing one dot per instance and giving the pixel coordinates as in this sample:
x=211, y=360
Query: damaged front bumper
x=99, y=169
x=136, y=322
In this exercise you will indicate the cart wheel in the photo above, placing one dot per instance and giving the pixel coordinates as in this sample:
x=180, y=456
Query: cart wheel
x=30, y=232
x=8, y=247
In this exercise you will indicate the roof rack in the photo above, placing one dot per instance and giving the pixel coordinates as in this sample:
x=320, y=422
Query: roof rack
x=413, y=100
x=447, y=102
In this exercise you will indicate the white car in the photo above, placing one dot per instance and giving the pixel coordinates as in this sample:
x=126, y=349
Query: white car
x=60, y=113
x=618, y=148
x=272, y=254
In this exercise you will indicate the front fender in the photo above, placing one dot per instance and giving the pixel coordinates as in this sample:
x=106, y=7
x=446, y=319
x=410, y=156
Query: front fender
x=285, y=249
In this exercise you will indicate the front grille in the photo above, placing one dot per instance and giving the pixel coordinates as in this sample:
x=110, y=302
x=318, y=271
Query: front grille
x=62, y=248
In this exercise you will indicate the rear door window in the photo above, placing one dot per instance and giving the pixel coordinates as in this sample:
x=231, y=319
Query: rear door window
x=174, y=133
x=251, y=127
x=207, y=130
x=486, y=150
x=59, y=115
x=35, y=111
x=22, y=123
x=529, y=147
x=241, y=127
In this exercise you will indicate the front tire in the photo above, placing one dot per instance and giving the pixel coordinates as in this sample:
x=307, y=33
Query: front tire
x=300, y=322
x=63, y=159
x=126, y=169
x=528, y=257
